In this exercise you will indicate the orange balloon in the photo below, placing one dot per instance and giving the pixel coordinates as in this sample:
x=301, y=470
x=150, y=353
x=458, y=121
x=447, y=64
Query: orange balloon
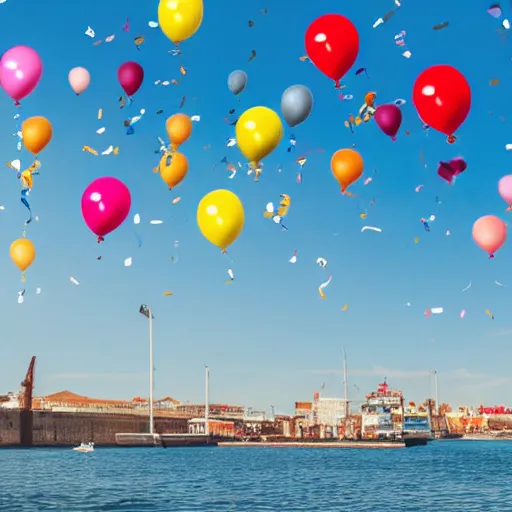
x=179, y=129
x=23, y=253
x=173, y=168
x=347, y=167
x=37, y=133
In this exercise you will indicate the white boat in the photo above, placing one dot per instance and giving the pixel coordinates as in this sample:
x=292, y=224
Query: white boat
x=84, y=448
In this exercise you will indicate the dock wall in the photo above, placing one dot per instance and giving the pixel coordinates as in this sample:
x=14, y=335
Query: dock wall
x=48, y=428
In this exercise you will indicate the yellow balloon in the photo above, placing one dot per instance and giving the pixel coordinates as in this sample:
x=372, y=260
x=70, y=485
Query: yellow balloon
x=23, y=253
x=180, y=19
x=221, y=218
x=258, y=132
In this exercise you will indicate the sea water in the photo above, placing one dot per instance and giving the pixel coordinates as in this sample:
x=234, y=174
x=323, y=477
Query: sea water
x=445, y=476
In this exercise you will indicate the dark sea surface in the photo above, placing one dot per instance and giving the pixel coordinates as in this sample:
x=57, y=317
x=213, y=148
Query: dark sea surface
x=446, y=476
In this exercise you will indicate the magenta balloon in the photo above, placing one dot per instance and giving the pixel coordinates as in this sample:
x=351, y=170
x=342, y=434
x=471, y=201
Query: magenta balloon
x=106, y=203
x=21, y=69
x=505, y=188
x=388, y=119
x=130, y=76
x=489, y=233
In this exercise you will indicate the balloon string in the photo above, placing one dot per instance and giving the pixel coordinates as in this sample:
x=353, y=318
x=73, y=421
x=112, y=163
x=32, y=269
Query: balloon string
x=226, y=253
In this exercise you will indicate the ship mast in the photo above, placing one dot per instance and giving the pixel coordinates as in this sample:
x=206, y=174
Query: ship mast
x=207, y=401
x=345, y=383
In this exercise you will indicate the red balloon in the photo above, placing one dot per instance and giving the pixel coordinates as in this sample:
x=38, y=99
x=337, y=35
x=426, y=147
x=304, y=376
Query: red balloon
x=442, y=97
x=332, y=44
x=130, y=76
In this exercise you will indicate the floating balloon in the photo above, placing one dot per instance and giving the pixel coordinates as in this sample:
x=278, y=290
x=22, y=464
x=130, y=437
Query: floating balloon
x=237, y=80
x=388, y=119
x=173, y=168
x=442, y=97
x=179, y=129
x=347, y=167
x=505, y=189
x=489, y=233
x=180, y=19
x=21, y=69
x=106, y=203
x=296, y=104
x=23, y=254
x=332, y=44
x=259, y=131
x=221, y=218
x=130, y=76
x=36, y=134
x=79, y=79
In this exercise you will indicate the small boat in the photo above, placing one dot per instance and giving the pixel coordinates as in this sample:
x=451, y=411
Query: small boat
x=84, y=448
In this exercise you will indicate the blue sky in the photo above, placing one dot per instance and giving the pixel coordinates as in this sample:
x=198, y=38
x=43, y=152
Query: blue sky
x=268, y=338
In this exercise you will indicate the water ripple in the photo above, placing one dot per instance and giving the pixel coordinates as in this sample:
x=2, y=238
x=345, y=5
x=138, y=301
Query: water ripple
x=448, y=476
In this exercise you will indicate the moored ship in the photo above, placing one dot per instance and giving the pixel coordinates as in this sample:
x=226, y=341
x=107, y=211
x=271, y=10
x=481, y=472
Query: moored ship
x=382, y=418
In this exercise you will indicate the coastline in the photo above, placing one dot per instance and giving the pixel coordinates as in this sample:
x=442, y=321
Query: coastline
x=485, y=437
x=338, y=444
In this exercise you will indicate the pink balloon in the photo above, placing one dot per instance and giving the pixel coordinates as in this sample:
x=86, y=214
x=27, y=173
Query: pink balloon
x=79, y=79
x=106, y=203
x=388, y=119
x=505, y=189
x=21, y=69
x=130, y=76
x=489, y=233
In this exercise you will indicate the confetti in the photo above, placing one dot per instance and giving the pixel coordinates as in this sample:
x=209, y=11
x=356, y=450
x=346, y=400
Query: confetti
x=128, y=262
x=323, y=286
x=168, y=294
x=467, y=287
x=440, y=26
x=321, y=262
x=293, y=259
x=74, y=281
x=371, y=228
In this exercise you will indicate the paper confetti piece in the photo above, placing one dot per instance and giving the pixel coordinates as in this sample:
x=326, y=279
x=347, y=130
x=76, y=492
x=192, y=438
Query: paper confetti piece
x=136, y=219
x=344, y=308
x=128, y=262
x=321, y=262
x=100, y=131
x=168, y=294
x=436, y=311
x=100, y=114
x=323, y=286
x=74, y=281
x=499, y=284
x=90, y=150
x=156, y=222
x=467, y=287
x=489, y=314
x=371, y=228
x=440, y=26
x=293, y=259
x=462, y=313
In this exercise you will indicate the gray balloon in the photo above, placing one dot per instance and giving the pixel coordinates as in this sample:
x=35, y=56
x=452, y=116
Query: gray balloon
x=237, y=80
x=296, y=104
